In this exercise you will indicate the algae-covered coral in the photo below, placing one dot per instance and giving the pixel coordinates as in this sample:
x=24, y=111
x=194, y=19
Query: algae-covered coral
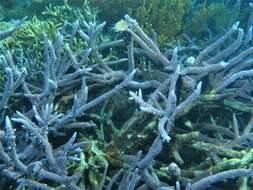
x=155, y=16
x=168, y=19
x=84, y=107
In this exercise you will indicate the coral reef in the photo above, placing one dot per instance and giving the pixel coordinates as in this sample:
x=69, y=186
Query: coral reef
x=84, y=108
x=155, y=16
x=191, y=17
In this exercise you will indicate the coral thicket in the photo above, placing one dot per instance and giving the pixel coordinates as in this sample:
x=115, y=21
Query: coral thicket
x=127, y=95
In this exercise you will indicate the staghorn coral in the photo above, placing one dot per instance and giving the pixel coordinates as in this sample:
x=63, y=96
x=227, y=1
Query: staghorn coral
x=184, y=130
x=47, y=116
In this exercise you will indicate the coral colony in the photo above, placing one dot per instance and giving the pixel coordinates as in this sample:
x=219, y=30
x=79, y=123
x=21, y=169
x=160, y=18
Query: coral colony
x=98, y=111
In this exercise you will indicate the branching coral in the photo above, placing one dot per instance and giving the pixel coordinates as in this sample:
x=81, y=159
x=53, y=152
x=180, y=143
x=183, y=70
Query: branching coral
x=72, y=126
